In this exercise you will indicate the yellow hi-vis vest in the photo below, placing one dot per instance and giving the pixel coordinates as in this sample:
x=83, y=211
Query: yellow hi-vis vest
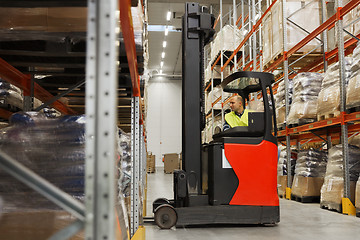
x=234, y=120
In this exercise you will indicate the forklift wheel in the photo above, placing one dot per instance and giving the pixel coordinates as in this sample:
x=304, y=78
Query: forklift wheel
x=158, y=202
x=165, y=216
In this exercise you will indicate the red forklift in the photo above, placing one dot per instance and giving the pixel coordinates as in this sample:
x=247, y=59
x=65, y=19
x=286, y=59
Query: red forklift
x=233, y=179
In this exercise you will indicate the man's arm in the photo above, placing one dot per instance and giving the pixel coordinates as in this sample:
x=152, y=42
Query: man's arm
x=226, y=126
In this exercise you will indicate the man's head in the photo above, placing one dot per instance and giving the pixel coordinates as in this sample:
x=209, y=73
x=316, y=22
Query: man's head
x=236, y=104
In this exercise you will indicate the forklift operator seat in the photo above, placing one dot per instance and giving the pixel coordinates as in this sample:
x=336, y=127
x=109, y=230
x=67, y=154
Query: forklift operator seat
x=255, y=128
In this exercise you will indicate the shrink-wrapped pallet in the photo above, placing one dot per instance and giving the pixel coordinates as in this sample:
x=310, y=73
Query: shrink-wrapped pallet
x=357, y=197
x=329, y=96
x=332, y=190
x=215, y=73
x=353, y=88
x=10, y=95
x=309, y=173
x=279, y=98
x=306, y=89
x=273, y=36
x=225, y=40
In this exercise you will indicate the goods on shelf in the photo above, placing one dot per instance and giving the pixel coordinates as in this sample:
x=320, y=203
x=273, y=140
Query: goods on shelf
x=52, y=148
x=329, y=96
x=353, y=89
x=216, y=73
x=10, y=96
x=212, y=96
x=355, y=140
x=273, y=29
x=309, y=174
x=279, y=98
x=306, y=89
x=332, y=190
x=124, y=166
x=282, y=169
x=225, y=40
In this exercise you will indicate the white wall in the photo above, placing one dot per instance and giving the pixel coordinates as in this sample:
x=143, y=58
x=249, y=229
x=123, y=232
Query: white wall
x=163, y=123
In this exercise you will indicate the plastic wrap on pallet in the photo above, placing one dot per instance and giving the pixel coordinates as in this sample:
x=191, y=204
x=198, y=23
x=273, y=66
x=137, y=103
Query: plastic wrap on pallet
x=124, y=148
x=225, y=40
x=279, y=98
x=329, y=96
x=355, y=140
x=10, y=95
x=353, y=88
x=52, y=148
x=296, y=31
x=306, y=89
x=282, y=163
x=357, y=194
x=311, y=163
x=332, y=190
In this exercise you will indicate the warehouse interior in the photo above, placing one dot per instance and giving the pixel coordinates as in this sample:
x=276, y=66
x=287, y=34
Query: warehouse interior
x=108, y=132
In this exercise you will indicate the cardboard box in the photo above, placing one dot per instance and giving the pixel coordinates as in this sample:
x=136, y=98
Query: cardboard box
x=35, y=225
x=307, y=186
x=332, y=192
x=281, y=183
x=171, y=162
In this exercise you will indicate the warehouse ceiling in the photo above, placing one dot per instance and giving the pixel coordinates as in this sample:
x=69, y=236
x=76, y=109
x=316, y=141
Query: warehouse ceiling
x=157, y=22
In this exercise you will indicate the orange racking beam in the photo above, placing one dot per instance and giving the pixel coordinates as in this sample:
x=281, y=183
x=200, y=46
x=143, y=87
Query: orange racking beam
x=129, y=40
x=20, y=80
x=246, y=18
x=216, y=22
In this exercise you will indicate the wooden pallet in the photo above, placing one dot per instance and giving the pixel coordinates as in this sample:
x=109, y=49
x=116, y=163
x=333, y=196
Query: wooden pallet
x=358, y=212
x=150, y=170
x=304, y=62
x=306, y=199
x=302, y=121
x=328, y=115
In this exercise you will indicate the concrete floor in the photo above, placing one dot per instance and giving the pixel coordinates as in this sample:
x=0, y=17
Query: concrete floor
x=297, y=221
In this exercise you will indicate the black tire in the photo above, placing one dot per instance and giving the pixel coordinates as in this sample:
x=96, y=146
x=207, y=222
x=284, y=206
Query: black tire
x=165, y=216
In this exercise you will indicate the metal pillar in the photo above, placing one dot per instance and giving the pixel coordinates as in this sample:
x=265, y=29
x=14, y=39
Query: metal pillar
x=234, y=32
x=253, y=22
x=324, y=34
x=344, y=129
x=101, y=95
x=287, y=104
x=135, y=163
x=221, y=64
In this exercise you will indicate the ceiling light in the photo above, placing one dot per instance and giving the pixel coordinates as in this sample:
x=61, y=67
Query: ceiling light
x=168, y=16
x=166, y=31
x=162, y=54
x=161, y=64
x=164, y=44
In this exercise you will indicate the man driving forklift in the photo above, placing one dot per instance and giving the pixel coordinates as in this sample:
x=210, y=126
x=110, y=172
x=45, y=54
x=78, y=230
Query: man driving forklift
x=238, y=116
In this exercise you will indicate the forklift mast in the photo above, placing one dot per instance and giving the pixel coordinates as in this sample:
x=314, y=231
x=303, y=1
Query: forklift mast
x=197, y=32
